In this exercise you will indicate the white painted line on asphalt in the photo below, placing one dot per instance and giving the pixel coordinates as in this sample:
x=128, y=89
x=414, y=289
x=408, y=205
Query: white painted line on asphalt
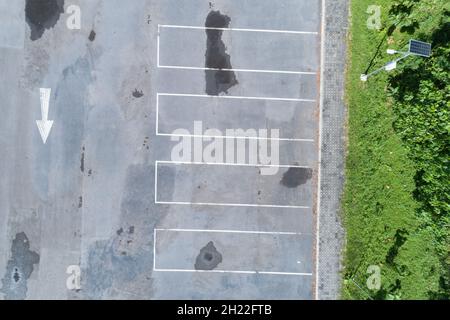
x=234, y=97
x=235, y=271
x=237, y=29
x=230, y=164
x=203, y=271
x=231, y=205
x=286, y=273
x=238, y=70
x=232, y=137
x=233, y=231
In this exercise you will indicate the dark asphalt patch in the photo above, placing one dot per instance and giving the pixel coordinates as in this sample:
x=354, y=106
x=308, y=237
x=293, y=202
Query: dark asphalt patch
x=138, y=94
x=92, y=35
x=209, y=258
x=19, y=268
x=82, y=159
x=217, y=81
x=41, y=15
x=296, y=177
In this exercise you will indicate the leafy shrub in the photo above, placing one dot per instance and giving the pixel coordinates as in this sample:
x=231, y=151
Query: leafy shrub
x=421, y=105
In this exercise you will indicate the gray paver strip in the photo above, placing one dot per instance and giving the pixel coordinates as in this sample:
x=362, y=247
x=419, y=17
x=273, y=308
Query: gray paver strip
x=331, y=232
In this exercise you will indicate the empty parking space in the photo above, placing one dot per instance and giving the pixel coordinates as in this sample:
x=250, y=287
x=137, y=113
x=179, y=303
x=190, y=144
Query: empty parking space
x=254, y=14
x=263, y=219
x=229, y=251
x=233, y=185
x=290, y=152
x=253, y=50
x=264, y=85
x=293, y=118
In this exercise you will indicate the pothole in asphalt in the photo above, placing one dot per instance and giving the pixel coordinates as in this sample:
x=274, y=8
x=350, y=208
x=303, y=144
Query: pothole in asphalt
x=209, y=258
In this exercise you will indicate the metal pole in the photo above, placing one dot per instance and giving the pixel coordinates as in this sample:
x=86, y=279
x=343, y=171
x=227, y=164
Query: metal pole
x=364, y=77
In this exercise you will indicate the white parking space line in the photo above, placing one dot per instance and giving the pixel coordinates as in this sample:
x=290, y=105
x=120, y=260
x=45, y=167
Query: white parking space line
x=237, y=29
x=231, y=70
x=232, y=164
x=238, y=70
x=158, y=95
x=222, y=271
x=230, y=231
x=212, y=204
x=222, y=204
x=232, y=137
x=235, y=271
x=235, y=97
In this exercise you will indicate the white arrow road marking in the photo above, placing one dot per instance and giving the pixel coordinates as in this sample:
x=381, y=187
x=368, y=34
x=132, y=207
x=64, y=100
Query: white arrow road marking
x=45, y=125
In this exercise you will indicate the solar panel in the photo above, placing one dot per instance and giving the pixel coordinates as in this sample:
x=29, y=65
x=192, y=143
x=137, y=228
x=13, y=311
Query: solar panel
x=419, y=48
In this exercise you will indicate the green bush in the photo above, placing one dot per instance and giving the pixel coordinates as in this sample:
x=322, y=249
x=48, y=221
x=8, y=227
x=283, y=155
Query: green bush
x=421, y=104
x=396, y=199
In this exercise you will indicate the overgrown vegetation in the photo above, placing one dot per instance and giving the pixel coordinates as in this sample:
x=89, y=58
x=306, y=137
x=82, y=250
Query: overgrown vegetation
x=396, y=202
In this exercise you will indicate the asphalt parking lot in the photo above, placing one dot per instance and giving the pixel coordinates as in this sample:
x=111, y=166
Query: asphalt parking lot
x=105, y=191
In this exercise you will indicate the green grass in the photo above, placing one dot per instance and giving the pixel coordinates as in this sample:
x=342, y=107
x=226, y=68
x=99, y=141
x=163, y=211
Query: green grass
x=378, y=204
